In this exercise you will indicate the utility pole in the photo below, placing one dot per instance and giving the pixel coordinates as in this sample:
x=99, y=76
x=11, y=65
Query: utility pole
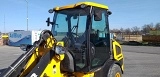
x=4, y=24
x=27, y=14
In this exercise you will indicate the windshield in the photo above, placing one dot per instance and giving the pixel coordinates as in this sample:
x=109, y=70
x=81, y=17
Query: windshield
x=70, y=25
x=70, y=21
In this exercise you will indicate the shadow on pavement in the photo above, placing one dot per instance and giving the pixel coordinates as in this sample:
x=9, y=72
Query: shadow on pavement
x=2, y=70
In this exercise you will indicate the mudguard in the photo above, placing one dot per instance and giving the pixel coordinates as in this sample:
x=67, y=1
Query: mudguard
x=103, y=72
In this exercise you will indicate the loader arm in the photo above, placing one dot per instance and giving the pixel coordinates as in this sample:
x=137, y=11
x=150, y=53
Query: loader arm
x=29, y=61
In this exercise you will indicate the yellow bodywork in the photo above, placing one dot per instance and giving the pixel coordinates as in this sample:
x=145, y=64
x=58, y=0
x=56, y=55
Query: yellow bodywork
x=115, y=54
x=82, y=3
x=53, y=68
x=60, y=43
x=118, y=56
x=39, y=52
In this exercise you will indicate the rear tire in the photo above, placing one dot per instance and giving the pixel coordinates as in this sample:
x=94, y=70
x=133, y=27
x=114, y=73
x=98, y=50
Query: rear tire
x=115, y=71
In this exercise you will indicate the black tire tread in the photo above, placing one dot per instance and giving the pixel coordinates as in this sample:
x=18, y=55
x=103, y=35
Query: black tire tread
x=113, y=70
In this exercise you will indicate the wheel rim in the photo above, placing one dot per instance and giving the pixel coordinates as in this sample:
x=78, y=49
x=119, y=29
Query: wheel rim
x=118, y=74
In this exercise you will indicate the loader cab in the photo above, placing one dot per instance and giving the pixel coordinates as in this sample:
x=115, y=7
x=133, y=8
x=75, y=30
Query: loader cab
x=84, y=29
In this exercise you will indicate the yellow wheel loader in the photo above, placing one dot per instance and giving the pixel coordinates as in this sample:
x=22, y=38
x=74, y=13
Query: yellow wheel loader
x=78, y=45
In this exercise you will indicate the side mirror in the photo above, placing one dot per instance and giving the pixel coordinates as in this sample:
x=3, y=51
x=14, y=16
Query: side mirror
x=109, y=12
x=25, y=47
x=97, y=15
x=48, y=21
x=50, y=10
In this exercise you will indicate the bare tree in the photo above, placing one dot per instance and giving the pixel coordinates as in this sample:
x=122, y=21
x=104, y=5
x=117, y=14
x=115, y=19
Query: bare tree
x=135, y=29
x=147, y=27
x=122, y=30
x=114, y=30
x=128, y=30
x=157, y=26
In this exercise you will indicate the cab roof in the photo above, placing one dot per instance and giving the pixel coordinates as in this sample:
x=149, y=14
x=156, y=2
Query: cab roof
x=82, y=3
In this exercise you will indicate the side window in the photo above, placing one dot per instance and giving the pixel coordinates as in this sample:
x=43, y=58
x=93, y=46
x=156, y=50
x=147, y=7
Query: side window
x=100, y=26
x=58, y=28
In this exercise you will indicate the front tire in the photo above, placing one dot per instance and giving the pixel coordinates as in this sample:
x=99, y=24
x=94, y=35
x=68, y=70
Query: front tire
x=115, y=71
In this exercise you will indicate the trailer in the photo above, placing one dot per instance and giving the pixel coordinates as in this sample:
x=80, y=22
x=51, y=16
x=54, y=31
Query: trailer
x=151, y=39
x=18, y=38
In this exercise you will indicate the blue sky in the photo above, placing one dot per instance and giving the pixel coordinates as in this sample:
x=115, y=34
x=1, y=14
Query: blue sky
x=125, y=13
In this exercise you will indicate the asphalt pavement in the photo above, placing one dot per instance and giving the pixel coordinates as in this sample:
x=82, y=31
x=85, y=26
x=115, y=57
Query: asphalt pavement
x=140, y=61
x=8, y=55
